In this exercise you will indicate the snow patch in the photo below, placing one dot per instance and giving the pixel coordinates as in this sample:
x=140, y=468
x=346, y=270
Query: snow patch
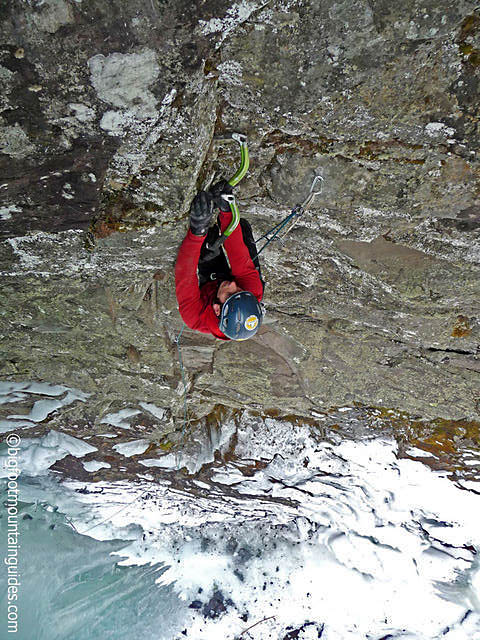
x=437, y=129
x=82, y=112
x=290, y=518
x=235, y=15
x=230, y=72
x=6, y=212
x=14, y=142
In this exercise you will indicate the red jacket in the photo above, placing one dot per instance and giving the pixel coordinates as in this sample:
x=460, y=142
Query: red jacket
x=195, y=303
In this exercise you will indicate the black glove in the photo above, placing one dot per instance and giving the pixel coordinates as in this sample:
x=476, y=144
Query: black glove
x=221, y=188
x=201, y=213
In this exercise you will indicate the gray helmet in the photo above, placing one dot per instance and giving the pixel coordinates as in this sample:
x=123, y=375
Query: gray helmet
x=241, y=316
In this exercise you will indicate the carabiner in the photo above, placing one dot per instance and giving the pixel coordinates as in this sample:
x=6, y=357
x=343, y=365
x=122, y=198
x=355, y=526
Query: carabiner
x=312, y=193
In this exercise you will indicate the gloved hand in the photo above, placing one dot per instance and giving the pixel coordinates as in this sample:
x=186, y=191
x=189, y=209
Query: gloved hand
x=217, y=190
x=201, y=213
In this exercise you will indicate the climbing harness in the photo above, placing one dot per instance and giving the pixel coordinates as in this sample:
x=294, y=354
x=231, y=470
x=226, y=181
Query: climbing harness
x=293, y=216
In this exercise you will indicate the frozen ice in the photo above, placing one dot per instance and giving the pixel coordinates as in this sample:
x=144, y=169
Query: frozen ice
x=119, y=419
x=158, y=412
x=95, y=465
x=168, y=461
x=36, y=455
x=131, y=448
x=11, y=425
x=41, y=410
x=343, y=533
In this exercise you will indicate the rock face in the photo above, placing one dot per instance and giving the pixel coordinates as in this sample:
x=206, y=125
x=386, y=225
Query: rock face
x=108, y=125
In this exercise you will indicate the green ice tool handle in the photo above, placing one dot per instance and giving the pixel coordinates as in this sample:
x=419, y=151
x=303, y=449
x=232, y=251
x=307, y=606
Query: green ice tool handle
x=234, y=180
x=244, y=162
x=235, y=215
x=231, y=227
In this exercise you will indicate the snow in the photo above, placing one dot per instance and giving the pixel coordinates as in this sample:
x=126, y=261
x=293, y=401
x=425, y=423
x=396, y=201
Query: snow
x=6, y=212
x=418, y=453
x=235, y=16
x=470, y=485
x=289, y=526
x=434, y=129
x=123, y=80
x=356, y=539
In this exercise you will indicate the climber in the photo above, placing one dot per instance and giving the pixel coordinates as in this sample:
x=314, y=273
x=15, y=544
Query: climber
x=214, y=296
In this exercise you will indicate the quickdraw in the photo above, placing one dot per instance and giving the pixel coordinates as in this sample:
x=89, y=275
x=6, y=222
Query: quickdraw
x=286, y=225
x=293, y=216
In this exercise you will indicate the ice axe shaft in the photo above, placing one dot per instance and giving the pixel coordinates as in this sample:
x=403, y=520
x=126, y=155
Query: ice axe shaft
x=234, y=180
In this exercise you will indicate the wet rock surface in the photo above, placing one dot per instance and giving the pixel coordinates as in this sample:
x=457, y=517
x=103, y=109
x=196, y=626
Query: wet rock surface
x=109, y=119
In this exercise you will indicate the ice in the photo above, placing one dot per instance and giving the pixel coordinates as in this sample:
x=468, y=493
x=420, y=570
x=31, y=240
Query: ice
x=119, y=419
x=168, y=461
x=132, y=448
x=95, y=465
x=153, y=409
x=41, y=410
x=71, y=586
x=11, y=425
x=40, y=388
x=13, y=397
x=293, y=529
x=35, y=456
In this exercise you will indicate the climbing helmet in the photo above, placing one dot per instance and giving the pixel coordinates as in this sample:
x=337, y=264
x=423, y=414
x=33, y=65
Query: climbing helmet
x=241, y=316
